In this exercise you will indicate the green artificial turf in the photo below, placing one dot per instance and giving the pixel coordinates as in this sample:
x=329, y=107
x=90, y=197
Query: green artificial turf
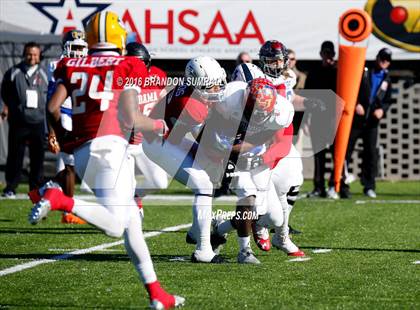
x=370, y=266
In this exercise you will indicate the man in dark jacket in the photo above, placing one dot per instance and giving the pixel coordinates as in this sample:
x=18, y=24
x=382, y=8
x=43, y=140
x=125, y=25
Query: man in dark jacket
x=373, y=102
x=23, y=91
x=324, y=76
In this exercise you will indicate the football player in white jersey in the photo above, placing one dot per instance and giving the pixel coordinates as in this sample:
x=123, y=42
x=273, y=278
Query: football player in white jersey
x=243, y=127
x=274, y=67
x=185, y=110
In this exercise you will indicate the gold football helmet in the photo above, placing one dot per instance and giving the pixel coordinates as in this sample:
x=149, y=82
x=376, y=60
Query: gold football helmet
x=105, y=30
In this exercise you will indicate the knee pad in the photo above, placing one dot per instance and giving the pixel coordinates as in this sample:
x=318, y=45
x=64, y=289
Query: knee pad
x=292, y=195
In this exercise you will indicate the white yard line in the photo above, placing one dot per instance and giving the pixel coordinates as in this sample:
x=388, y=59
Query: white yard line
x=100, y=247
x=358, y=202
x=148, y=198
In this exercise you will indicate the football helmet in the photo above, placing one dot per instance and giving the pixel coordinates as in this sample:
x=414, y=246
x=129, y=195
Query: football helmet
x=140, y=51
x=261, y=99
x=104, y=30
x=206, y=75
x=74, y=44
x=271, y=52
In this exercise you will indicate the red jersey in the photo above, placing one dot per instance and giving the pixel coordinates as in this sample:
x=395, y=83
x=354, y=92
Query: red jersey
x=182, y=112
x=95, y=83
x=150, y=95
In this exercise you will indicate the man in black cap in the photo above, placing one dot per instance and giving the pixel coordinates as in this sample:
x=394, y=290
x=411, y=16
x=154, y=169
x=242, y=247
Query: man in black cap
x=323, y=76
x=373, y=102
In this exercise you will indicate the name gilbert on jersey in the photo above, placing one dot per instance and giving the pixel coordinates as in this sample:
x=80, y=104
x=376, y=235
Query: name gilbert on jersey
x=94, y=62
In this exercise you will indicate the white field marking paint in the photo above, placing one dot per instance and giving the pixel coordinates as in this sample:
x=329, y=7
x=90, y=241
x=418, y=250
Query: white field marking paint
x=100, y=247
x=321, y=251
x=149, y=198
x=179, y=259
x=299, y=259
x=417, y=262
x=359, y=202
x=68, y=250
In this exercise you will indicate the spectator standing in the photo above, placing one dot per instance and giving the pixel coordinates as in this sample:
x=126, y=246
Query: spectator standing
x=373, y=102
x=23, y=92
x=243, y=57
x=300, y=76
x=324, y=76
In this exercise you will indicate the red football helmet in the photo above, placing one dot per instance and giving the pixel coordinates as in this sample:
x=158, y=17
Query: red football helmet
x=261, y=99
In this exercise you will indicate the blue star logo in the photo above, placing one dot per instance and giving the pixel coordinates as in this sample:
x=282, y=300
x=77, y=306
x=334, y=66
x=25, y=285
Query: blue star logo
x=53, y=10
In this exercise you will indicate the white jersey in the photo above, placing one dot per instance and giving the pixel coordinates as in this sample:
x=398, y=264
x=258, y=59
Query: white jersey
x=233, y=105
x=66, y=107
x=248, y=71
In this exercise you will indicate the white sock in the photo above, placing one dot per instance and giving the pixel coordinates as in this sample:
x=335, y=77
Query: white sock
x=286, y=212
x=202, y=215
x=99, y=216
x=244, y=243
x=224, y=227
x=137, y=248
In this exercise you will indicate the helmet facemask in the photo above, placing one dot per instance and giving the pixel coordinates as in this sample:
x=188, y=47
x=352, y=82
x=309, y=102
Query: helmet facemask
x=213, y=94
x=206, y=75
x=272, y=65
x=76, y=48
x=261, y=99
x=273, y=58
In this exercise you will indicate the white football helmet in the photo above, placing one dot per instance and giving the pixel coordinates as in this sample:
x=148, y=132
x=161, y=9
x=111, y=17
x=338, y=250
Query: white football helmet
x=74, y=44
x=206, y=75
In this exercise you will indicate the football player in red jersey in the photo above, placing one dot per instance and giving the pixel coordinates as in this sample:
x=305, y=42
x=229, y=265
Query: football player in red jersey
x=155, y=177
x=185, y=110
x=104, y=109
x=74, y=45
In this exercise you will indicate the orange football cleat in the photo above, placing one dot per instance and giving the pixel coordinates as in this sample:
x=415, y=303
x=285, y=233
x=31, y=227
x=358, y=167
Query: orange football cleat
x=70, y=218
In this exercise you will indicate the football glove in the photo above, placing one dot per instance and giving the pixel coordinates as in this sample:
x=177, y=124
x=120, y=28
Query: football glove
x=314, y=104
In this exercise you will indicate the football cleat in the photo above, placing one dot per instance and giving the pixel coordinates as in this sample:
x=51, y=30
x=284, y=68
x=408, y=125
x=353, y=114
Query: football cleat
x=217, y=242
x=70, y=218
x=217, y=259
x=160, y=299
x=158, y=305
x=286, y=245
x=263, y=244
x=261, y=237
x=39, y=211
x=247, y=257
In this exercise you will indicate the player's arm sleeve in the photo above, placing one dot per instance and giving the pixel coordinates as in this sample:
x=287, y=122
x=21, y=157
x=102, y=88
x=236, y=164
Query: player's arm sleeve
x=59, y=74
x=280, y=148
x=282, y=116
